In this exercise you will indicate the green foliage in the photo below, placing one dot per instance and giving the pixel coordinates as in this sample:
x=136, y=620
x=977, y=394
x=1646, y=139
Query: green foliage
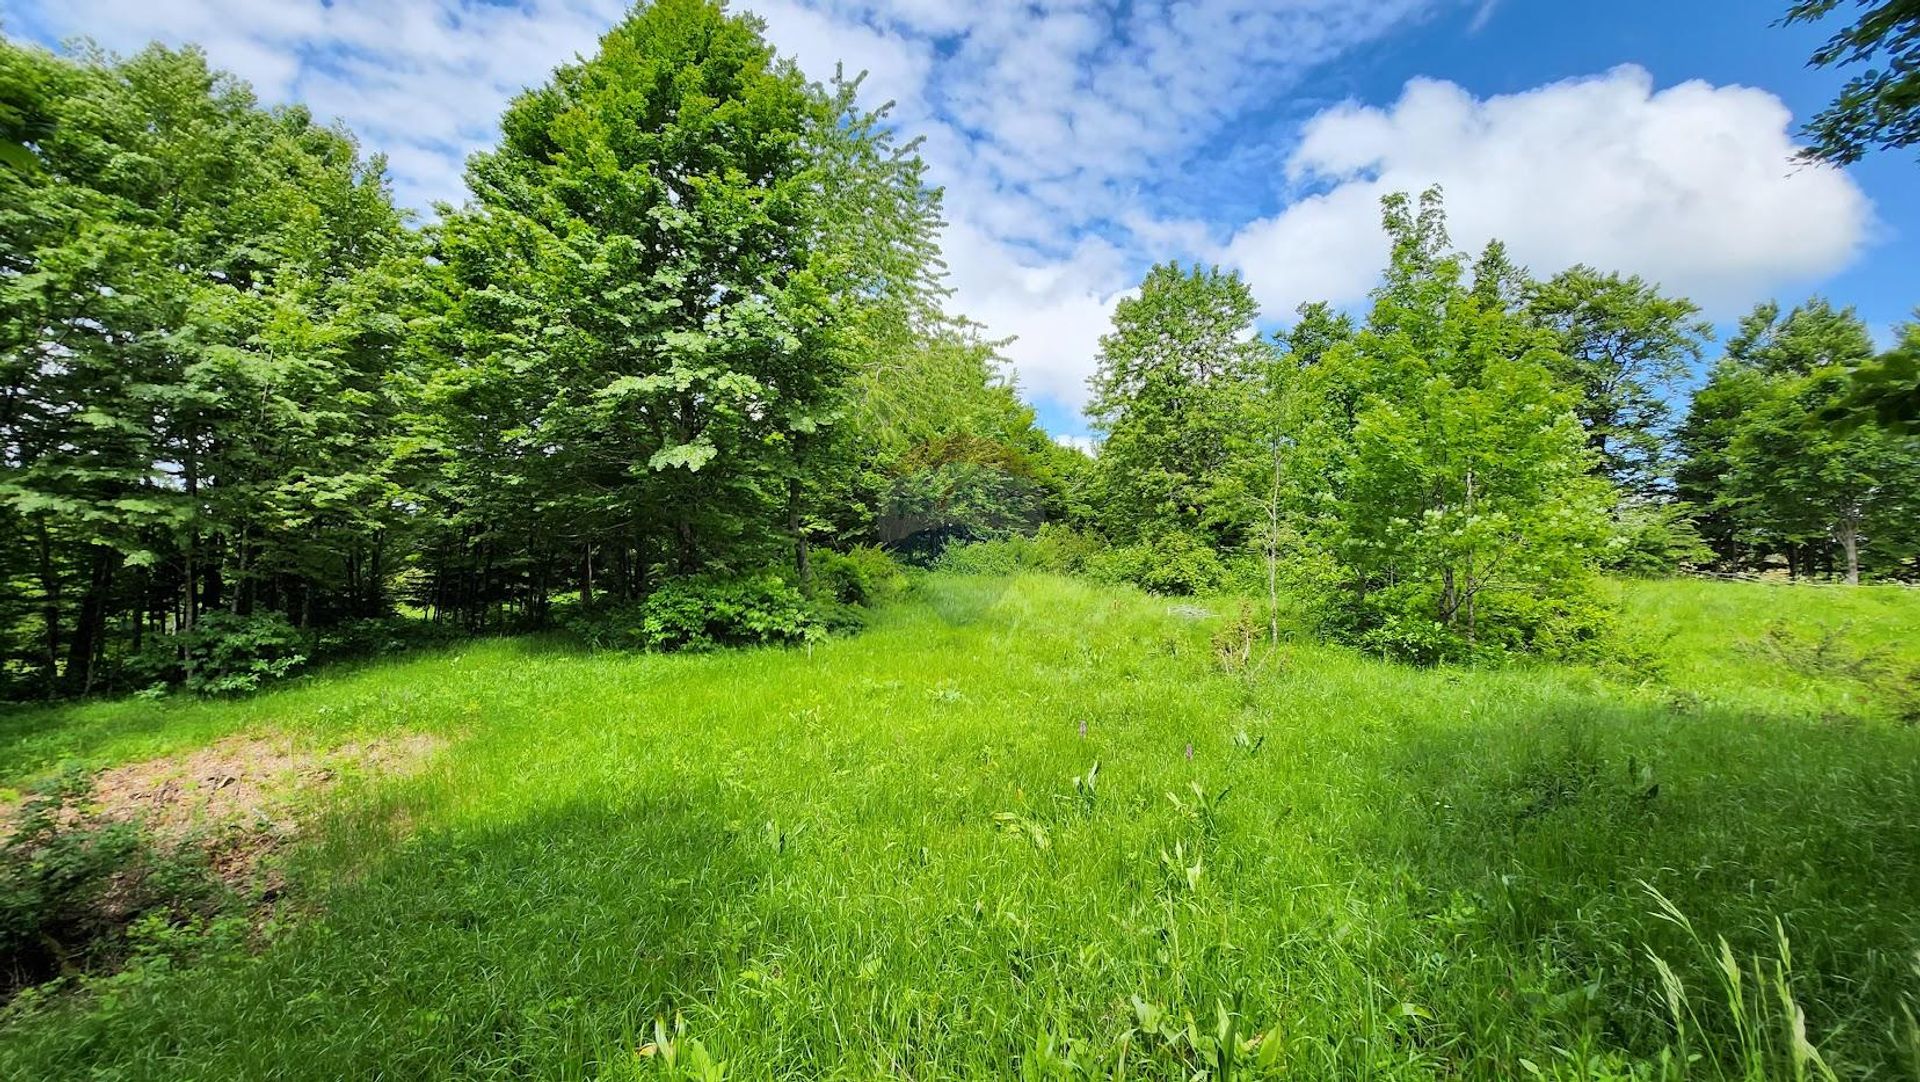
x=1880, y=107
x=703, y=613
x=1653, y=540
x=1884, y=391
x=1625, y=348
x=1053, y=548
x=863, y=575
x=1774, y=479
x=1173, y=379
x=642, y=350
x=217, y=280
x=224, y=654
x=1460, y=508
x=961, y=487
x=675, y=281
x=1168, y=563
x=72, y=885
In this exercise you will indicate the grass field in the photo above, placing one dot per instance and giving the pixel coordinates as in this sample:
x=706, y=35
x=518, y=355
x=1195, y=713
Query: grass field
x=894, y=857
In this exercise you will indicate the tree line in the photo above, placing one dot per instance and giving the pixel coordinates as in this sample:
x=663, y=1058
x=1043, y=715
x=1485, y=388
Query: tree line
x=1447, y=476
x=688, y=324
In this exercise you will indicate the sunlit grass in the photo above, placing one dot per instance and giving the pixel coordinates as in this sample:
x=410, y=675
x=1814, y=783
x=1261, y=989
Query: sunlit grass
x=891, y=857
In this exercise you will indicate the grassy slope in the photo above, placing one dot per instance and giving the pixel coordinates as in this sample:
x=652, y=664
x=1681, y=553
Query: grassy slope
x=1410, y=872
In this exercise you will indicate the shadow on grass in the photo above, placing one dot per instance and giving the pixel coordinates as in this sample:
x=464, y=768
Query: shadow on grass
x=961, y=600
x=535, y=948
x=1534, y=836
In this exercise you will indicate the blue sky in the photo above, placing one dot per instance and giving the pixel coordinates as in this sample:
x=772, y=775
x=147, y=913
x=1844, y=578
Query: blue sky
x=1081, y=140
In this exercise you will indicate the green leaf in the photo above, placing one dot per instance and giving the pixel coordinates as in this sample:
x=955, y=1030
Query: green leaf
x=692, y=456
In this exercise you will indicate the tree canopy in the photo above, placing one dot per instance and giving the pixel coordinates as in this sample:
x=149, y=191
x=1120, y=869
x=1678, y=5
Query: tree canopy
x=1878, y=109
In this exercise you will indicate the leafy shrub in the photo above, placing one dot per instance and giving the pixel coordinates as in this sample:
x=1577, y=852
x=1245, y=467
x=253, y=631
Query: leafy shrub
x=999, y=557
x=865, y=575
x=1053, y=548
x=1172, y=563
x=72, y=884
x=699, y=614
x=707, y=612
x=1401, y=622
x=1650, y=541
x=379, y=636
x=1063, y=550
x=224, y=654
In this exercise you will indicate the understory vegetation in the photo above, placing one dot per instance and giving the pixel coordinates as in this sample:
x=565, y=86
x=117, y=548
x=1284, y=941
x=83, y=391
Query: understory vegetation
x=1031, y=827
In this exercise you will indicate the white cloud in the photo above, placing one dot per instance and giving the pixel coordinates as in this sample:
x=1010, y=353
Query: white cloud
x=1692, y=186
x=1078, y=141
x=1042, y=118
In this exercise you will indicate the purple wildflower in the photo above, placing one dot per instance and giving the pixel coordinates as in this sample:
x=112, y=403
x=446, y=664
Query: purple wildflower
x=1083, y=730
x=1189, y=753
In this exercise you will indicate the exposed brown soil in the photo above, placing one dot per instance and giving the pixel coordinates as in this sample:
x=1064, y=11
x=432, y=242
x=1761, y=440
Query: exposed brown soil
x=243, y=798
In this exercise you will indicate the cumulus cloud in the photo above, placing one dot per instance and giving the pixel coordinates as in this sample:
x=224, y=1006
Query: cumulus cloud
x=1043, y=122
x=1692, y=186
x=1042, y=119
x=1078, y=140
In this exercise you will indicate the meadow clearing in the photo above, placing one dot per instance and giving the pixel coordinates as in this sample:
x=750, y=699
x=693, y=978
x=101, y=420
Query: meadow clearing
x=1039, y=828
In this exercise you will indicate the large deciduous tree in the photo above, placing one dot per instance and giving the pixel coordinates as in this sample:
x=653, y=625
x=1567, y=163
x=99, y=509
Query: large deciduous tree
x=1172, y=381
x=1771, y=476
x=1625, y=348
x=673, y=265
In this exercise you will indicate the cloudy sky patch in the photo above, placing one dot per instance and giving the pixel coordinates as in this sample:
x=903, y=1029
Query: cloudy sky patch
x=1081, y=141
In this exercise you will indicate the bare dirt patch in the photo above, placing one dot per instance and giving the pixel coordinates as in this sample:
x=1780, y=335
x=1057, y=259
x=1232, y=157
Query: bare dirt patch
x=243, y=798
x=184, y=840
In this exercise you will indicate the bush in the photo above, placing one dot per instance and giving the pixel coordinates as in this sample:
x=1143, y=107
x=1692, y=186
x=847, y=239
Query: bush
x=379, y=636
x=1173, y=563
x=707, y=612
x=1401, y=622
x=1002, y=557
x=866, y=575
x=1063, y=550
x=224, y=654
x=1650, y=541
x=72, y=884
x=1053, y=548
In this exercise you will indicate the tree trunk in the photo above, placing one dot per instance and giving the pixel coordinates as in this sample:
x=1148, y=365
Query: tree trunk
x=1850, y=542
x=1273, y=554
x=586, y=576
x=91, y=625
x=377, y=577
x=685, y=558
x=802, y=564
x=49, y=612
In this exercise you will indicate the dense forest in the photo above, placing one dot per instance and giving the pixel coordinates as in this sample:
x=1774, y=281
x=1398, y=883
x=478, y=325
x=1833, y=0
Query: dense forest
x=681, y=370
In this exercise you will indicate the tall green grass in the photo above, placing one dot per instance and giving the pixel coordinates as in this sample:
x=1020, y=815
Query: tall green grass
x=1034, y=828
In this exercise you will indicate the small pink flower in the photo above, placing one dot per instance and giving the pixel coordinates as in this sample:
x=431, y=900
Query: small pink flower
x=1083, y=730
x=1189, y=753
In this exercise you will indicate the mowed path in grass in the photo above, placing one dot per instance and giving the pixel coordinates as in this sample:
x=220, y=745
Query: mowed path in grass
x=873, y=860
